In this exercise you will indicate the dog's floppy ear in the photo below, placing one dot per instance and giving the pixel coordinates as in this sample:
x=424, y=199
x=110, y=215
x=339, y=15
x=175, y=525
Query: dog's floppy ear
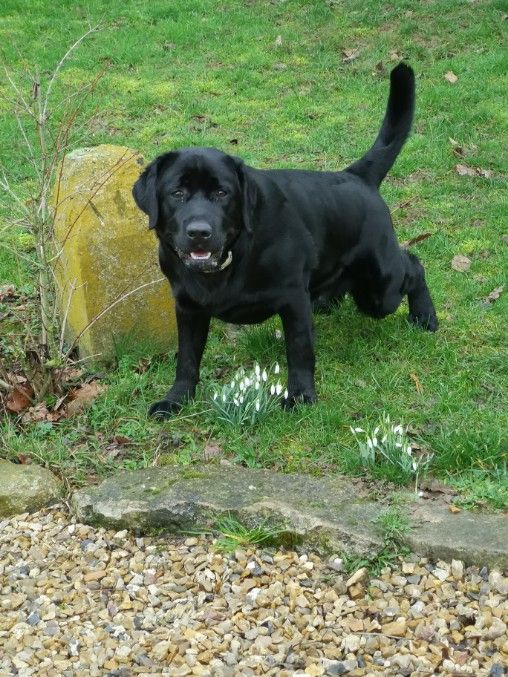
x=145, y=194
x=249, y=194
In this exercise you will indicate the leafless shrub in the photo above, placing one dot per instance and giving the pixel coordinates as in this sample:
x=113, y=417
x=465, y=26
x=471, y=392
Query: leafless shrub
x=46, y=118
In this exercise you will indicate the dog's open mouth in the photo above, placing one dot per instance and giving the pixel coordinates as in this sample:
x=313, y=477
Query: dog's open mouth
x=200, y=255
x=200, y=259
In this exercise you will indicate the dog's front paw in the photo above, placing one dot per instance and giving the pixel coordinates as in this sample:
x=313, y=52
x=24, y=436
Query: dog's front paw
x=298, y=397
x=427, y=321
x=164, y=409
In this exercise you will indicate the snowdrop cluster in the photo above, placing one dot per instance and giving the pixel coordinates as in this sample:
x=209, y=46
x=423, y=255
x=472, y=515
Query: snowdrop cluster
x=250, y=396
x=390, y=443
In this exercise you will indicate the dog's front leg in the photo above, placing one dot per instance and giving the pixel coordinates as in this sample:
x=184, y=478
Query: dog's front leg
x=299, y=335
x=192, y=335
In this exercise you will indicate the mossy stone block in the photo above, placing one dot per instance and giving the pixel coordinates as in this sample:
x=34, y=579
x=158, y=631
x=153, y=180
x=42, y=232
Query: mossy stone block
x=26, y=488
x=110, y=287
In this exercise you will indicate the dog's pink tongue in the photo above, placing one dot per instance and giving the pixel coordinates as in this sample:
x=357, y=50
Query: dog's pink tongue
x=200, y=255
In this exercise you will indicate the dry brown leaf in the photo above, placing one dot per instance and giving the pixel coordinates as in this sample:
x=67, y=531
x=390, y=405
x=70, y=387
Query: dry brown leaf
x=142, y=366
x=494, y=295
x=70, y=374
x=464, y=170
x=454, y=508
x=121, y=440
x=485, y=173
x=456, y=147
x=349, y=54
x=417, y=382
x=395, y=56
x=7, y=293
x=451, y=77
x=211, y=450
x=461, y=263
x=115, y=447
x=19, y=399
x=41, y=413
x=82, y=397
x=434, y=486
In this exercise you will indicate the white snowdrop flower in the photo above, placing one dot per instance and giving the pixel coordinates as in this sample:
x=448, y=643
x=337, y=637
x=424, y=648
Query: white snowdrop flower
x=278, y=334
x=398, y=429
x=236, y=402
x=232, y=384
x=247, y=382
x=278, y=389
x=264, y=375
x=242, y=386
x=369, y=443
x=257, y=369
x=256, y=385
x=376, y=431
x=374, y=441
x=277, y=368
x=408, y=450
x=351, y=428
x=257, y=405
x=286, y=394
x=358, y=430
x=384, y=439
x=398, y=444
x=241, y=399
x=415, y=466
x=215, y=396
x=272, y=389
x=223, y=397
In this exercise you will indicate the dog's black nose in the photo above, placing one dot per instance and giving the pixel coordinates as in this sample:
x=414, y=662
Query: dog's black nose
x=199, y=230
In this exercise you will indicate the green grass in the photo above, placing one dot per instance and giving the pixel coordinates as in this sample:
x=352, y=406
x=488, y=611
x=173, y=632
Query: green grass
x=232, y=534
x=208, y=73
x=393, y=524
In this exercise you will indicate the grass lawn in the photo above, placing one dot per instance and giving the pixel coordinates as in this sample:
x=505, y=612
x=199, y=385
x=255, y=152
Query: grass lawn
x=217, y=73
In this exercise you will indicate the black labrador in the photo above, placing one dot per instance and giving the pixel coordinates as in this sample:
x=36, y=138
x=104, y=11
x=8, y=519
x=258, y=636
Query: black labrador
x=243, y=244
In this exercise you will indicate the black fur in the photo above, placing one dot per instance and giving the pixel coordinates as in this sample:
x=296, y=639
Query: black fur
x=298, y=239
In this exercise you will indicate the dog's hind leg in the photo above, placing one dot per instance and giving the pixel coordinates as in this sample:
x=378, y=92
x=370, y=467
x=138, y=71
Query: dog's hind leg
x=379, y=292
x=421, y=308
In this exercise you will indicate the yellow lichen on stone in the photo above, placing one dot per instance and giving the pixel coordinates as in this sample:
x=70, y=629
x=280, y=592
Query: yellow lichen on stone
x=110, y=286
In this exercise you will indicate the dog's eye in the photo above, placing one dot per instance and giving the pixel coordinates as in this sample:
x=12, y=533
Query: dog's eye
x=220, y=193
x=178, y=194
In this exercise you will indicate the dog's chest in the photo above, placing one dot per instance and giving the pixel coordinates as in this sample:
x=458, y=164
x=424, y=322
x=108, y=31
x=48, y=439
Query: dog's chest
x=232, y=301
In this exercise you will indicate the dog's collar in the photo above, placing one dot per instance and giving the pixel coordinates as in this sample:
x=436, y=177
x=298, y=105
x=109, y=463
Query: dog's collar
x=226, y=263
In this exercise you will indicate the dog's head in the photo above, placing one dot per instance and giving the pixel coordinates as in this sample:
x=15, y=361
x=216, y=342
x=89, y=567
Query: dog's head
x=198, y=200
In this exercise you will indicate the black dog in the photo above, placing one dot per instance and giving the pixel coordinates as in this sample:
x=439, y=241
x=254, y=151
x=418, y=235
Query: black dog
x=243, y=244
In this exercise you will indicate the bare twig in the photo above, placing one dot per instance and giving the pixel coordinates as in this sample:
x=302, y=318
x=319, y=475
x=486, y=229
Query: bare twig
x=4, y=184
x=20, y=98
x=108, y=308
x=66, y=313
x=46, y=141
x=61, y=63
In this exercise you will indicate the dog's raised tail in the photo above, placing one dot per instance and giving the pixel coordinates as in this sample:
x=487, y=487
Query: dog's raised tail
x=376, y=163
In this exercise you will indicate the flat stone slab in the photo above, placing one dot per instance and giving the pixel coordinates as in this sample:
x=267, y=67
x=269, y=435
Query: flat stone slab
x=326, y=514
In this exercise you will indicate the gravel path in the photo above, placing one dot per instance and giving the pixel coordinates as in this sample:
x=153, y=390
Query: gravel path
x=78, y=601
